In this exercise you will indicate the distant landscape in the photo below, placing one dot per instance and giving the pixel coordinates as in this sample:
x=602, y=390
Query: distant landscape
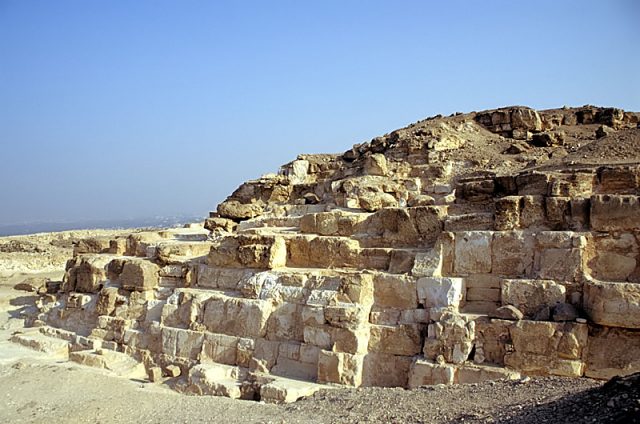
x=21, y=228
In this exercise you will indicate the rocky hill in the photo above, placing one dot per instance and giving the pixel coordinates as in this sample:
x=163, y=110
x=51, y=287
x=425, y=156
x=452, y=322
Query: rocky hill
x=459, y=249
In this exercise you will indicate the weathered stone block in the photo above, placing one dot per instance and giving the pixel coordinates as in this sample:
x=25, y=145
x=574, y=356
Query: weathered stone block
x=530, y=295
x=615, y=212
x=425, y=373
x=473, y=252
x=139, y=274
x=512, y=254
x=396, y=340
x=340, y=368
x=613, y=304
x=440, y=292
x=394, y=291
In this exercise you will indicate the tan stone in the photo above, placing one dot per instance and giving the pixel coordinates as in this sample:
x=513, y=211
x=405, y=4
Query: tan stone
x=472, y=252
x=613, y=304
x=530, y=295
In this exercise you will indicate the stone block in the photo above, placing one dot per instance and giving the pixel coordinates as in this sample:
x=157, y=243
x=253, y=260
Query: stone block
x=473, y=252
x=613, y=304
x=560, y=264
x=440, y=292
x=426, y=373
x=612, y=352
x=394, y=291
x=340, y=368
x=396, y=340
x=384, y=370
x=615, y=212
x=530, y=295
x=512, y=254
x=139, y=274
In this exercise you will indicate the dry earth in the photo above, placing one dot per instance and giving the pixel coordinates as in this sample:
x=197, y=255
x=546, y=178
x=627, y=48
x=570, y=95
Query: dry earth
x=35, y=387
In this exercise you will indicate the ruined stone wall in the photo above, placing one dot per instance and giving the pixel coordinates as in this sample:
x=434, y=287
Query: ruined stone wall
x=401, y=262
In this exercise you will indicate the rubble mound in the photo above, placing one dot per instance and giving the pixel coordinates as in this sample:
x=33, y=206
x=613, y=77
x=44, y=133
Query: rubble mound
x=459, y=249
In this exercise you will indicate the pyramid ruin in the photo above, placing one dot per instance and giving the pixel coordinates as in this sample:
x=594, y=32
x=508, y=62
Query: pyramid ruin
x=478, y=246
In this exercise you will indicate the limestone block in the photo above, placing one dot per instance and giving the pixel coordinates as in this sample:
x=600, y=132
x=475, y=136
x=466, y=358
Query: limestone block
x=470, y=374
x=347, y=340
x=451, y=337
x=530, y=295
x=376, y=164
x=86, y=273
x=507, y=213
x=533, y=184
x=613, y=304
x=346, y=315
x=401, y=261
x=560, y=264
x=265, y=355
x=394, y=291
x=615, y=212
x=535, y=347
x=233, y=209
x=139, y=274
x=558, y=211
x=313, y=315
x=473, y=252
x=429, y=263
x=426, y=373
x=469, y=222
x=285, y=323
x=532, y=212
x=396, y=340
x=612, y=351
x=373, y=201
x=340, y=368
x=618, y=179
x=237, y=316
x=221, y=278
x=219, y=348
x=319, y=336
x=492, y=342
x=613, y=257
x=610, y=266
x=440, y=292
x=224, y=253
x=512, y=254
x=173, y=371
x=384, y=370
x=214, y=379
x=171, y=252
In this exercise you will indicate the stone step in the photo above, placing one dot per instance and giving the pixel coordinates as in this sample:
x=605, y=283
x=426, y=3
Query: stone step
x=286, y=390
x=37, y=341
x=116, y=362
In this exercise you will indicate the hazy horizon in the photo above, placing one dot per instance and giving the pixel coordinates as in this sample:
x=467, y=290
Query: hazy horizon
x=112, y=110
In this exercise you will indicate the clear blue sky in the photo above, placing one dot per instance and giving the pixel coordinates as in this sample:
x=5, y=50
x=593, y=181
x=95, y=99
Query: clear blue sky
x=113, y=109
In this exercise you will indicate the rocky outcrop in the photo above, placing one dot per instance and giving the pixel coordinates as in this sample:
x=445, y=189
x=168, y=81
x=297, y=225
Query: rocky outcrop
x=435, y=254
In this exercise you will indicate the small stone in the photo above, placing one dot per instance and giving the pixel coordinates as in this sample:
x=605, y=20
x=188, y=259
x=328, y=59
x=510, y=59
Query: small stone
x=155, y=374
x=509, y=312
x=604, y=131
x=581, y=320
x=564, y=312
x=173, y=371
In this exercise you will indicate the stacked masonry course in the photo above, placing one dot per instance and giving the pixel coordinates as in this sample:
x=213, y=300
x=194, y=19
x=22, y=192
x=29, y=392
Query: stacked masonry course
x=479, y=246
